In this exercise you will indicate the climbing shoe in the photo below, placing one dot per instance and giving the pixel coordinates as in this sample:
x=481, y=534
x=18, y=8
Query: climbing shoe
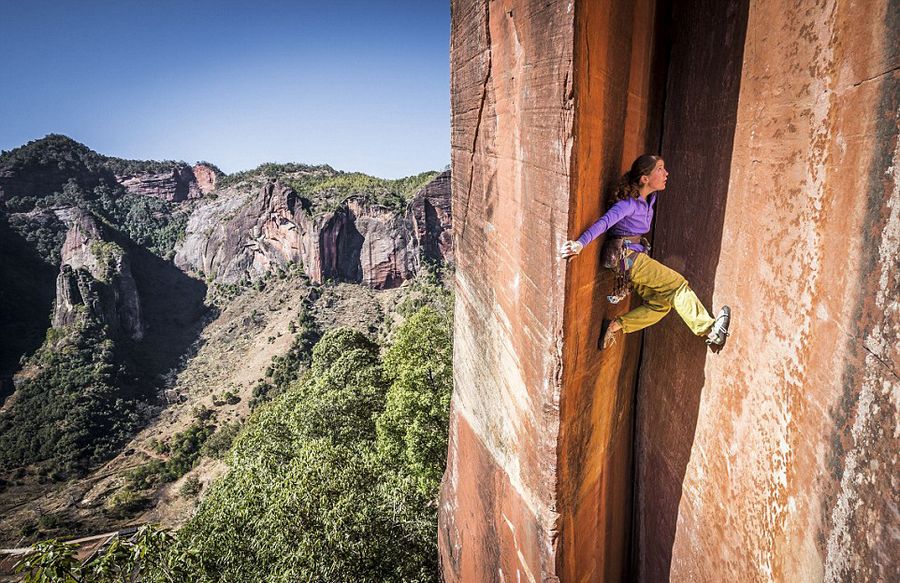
x=719, y=331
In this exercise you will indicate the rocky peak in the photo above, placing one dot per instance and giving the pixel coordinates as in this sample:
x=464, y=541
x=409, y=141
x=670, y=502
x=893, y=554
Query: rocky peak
x=206, y=178
x=95, y=280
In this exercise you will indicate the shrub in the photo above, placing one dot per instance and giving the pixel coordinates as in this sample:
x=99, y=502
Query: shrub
x=219, y=443
x=125, y=502
x=191, y=487
x=183, y=449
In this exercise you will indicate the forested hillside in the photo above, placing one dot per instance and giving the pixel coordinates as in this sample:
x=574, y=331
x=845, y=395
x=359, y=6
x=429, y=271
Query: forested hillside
x=139, y=391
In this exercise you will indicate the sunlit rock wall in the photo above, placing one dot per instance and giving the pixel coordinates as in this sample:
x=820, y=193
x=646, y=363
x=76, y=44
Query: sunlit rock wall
x=776, y=459
x=550, y=101
x=511, y=140
x=246, y=235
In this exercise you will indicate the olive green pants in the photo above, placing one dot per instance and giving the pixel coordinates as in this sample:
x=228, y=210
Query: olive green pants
x=663, y=289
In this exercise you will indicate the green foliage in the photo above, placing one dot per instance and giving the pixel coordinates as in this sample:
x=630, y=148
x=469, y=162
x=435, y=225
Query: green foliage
x=324, y=188
x=52, y=562
x=271, y=171
x=44, y=232
x=308, y=495
x=344, y=389
x=226, y=398
x=191, y=487
x=149, y=557
x=219, y=443
x=203, y=413
x=150, y=222
x=413, y=428
x=183, y=450
x=327, y=193
x=72, y=412
x=109, y=256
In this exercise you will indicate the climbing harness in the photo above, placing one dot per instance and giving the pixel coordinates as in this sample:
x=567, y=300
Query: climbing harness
x=618, y=254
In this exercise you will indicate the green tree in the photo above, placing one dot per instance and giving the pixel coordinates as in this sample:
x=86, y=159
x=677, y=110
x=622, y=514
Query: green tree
x=150, y=556
x=412, y=430
x=52, y=562
x=306, y=497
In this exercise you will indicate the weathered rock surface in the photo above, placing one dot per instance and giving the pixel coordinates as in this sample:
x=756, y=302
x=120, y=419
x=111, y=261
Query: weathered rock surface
x=95, y=281
x=206, y=178
x=774, y=459
x=177, y=184
x=432, y=220
x=511, y=142
x=244, y=235
x=777, y=459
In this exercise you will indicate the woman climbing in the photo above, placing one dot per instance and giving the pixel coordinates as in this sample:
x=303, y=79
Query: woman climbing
x=625, y=252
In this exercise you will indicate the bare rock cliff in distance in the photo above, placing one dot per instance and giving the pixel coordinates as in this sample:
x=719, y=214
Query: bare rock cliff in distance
x=429, y=212
x=179, y=183
x=206, y=178
x=243, y=235
x=95, y=281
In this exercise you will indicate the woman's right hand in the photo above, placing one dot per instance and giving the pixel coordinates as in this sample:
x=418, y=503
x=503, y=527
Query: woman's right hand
x=571, y=248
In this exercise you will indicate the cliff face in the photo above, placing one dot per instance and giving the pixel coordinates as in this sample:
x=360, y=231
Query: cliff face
x=432, y=221
x=205, y=177
x=179, y=183
x=245, y=235
x=95, y=281
x=771, y=460
x=511, y=145
x=776, y=459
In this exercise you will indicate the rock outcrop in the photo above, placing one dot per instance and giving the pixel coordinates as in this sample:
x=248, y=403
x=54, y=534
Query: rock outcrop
x=177, y=184
x=95, y=281
x=243, y=236
x=432, y=221
x=206, y=178
x=771, y=460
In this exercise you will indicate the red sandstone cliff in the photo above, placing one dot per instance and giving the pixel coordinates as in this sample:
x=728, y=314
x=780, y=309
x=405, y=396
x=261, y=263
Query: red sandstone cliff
x=243, y=235
x=205, y=177
x=177, y=184
x=772, y=460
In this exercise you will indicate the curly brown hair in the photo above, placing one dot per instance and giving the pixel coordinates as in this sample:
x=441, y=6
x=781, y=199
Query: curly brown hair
x=629, y=185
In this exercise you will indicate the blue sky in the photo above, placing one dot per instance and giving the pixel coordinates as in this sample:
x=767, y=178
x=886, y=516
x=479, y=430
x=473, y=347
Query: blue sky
x=358, y=85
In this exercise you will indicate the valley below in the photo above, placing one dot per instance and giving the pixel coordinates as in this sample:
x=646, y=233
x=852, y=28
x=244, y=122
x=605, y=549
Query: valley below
x=155, y=309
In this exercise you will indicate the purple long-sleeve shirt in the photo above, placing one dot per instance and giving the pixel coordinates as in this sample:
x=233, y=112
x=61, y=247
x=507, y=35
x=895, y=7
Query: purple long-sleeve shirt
x=626, y=218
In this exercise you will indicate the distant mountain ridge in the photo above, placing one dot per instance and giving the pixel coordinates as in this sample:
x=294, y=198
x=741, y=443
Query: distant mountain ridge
x=42, y=167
